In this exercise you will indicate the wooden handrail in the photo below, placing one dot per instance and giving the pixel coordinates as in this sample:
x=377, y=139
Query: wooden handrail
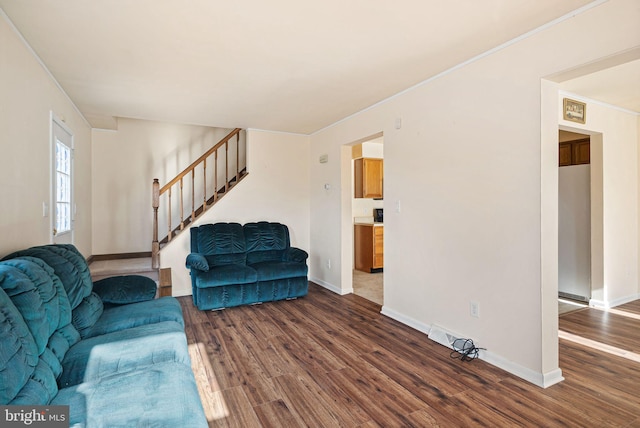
x=207, y=201
x=208, y=153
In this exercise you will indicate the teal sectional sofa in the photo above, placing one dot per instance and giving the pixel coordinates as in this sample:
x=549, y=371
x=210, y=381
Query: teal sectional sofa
x=111, y=352
x=234, y=265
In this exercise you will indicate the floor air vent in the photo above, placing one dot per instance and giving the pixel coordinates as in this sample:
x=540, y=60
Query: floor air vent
x=442, y=336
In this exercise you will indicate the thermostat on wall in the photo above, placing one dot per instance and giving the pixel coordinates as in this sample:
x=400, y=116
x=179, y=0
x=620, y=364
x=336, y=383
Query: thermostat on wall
x=324, y=158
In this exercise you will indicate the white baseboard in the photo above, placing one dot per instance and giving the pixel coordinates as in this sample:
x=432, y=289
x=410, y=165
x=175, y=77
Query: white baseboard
x=415, y=324
x=331, y=287
x=602, y=304
x=543, y=380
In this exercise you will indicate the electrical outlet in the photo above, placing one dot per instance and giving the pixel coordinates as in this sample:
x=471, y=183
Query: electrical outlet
x=474, y=308
x=329, y=264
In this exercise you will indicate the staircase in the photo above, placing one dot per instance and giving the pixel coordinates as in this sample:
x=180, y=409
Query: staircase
x=204, y=182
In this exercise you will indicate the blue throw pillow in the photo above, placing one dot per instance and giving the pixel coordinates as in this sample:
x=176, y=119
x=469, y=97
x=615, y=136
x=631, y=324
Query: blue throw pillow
x=121, y=290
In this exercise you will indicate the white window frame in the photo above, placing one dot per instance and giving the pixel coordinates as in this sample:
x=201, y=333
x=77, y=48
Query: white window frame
x=56, y=232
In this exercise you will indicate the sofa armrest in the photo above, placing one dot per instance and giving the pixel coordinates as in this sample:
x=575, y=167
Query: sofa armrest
x=296, y=255
x=197, y=261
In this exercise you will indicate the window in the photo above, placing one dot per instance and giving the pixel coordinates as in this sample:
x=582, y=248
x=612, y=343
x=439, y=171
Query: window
x=63, y=188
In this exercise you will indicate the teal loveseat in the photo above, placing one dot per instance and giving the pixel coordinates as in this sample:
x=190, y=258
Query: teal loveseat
x=110, y=351
x=234, y=265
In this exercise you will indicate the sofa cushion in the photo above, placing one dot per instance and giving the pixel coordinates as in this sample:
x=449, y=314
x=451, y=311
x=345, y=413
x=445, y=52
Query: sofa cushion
x=120, y=290
x=124, y=351
x=264, y=236
x=164, y=395
x=87, y=313
x=18, y=349
x=68, y=265
x=226, y=275
x=226, y=259
x=34, y=295
x=219, y=238
x=40, y=388
x=268, y=271
x=64, y=307
x=124, y=317
x=265, y=256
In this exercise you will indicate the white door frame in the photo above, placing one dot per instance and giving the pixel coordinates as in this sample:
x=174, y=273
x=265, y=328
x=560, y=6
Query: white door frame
x=68, y=236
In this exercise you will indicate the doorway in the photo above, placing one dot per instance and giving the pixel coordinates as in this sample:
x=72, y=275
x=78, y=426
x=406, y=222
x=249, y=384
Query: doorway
x=574, y=221
x=367, y=213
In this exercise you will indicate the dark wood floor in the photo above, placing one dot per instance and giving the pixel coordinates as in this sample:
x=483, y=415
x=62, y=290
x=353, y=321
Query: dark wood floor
x=328, y=361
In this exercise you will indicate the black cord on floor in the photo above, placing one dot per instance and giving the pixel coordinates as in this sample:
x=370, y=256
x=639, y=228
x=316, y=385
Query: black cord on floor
x=465, y=350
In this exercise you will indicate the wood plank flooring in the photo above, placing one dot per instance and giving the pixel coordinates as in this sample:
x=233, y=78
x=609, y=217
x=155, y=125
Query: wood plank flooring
x=334, y=361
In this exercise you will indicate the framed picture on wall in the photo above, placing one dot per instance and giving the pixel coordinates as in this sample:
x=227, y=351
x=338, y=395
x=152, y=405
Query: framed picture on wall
x=574, y=111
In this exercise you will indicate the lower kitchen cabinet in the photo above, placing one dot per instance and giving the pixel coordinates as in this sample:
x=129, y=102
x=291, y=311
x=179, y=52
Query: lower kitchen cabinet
x=369, y=247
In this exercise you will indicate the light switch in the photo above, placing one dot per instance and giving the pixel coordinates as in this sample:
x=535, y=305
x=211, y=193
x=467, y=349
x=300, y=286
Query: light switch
x=45, y=210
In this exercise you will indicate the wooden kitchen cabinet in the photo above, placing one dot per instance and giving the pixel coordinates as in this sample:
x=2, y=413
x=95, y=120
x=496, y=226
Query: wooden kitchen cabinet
x=576, y=152
x=565, y=154
x=369, y=247
x=582, y=152
x=369, y=174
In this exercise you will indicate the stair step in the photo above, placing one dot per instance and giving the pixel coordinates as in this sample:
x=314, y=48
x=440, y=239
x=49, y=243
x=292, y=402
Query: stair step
x=131, y=266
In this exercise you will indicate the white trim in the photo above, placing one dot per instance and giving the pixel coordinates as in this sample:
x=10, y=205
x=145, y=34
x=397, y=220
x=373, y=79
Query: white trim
x=278, y=132
x=42, y=64
x=408, y=321
x=474, y=59
x=543, y=380
x=56, y=120
x=603, y=304
x=331, y=287
x=597, y=102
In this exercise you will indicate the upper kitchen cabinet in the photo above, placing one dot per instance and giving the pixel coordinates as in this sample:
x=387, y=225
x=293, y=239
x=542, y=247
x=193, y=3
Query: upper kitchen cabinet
x=369, y=174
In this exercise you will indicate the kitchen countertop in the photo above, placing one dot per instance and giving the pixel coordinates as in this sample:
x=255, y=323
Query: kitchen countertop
x=368, y=223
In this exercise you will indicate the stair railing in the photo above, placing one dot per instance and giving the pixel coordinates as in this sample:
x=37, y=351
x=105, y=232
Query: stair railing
x=208, y=199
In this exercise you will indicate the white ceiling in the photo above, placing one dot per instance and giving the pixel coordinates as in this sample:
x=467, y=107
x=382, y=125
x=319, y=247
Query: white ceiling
x=285, y=65
x=619, y=86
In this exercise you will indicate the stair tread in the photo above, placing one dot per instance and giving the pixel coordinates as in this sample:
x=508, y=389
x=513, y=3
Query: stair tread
x=122, y=266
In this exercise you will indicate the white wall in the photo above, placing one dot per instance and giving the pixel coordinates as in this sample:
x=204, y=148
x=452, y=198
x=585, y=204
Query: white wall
x=276, y=189
x=28, y=95
x=615, y=151
x=125, y=162
x=467, y=167
x=574, y=230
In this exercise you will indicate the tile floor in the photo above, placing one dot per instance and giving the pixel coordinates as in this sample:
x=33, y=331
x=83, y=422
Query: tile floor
x=369, y=286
